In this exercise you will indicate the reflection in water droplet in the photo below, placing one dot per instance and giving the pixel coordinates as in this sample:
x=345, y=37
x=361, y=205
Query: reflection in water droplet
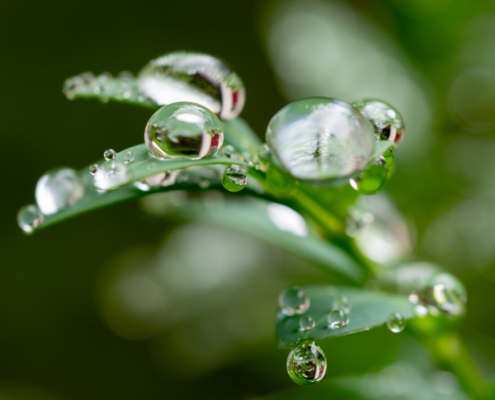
x=183, y=130
x=342, y=303
x=319, y=139
x=373, y=179
x=286, y=219
x=396, y=322
x=337, y=319
x=306, y=364
x=93, y=168
x=386, y=120
x=234, y=178
x=293, y=301
x=193, y=77
x=306, y=323
x=111, y=175
x=109, y=154
x=128, y=157
x=58, y=189
x=29, y=218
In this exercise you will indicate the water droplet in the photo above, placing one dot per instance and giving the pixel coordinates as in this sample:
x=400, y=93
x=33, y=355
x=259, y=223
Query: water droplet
x=306, y=323
x=193, y=77
x=29, y=218
x=373, y=179
x=420, y=310
x=320, y=139
x=386, y=120
x=234, y=178
x=155, y=180
x=93, y=168
x=389, y=156
x=109, y=154
x=183, y=130
x=111, y=175
x=396, y=322
x=342, y=303
x=306, y=364
x=445, y=293
x=58, y=189
x=229, y=151
x=128, y=157
x=293, y=301
x=337, y=319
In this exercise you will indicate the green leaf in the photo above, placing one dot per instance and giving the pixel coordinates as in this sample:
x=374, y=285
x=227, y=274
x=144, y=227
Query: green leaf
x=381, y=147
x=369, y=309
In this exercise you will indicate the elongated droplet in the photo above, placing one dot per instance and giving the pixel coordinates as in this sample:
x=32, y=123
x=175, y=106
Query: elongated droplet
x=111, y=175
x=234, y=178
x=29, y=218
x=306, y=323
x=93, y=168
x=396, y=322
x=128, y=157
x=306, y=364
x=342, y=303
x=386, y=120
x=320, y=139
x=109, y=154
x=193, y=77
x=372, y=180
x=337, y=319
x=58, y=189
x=183, y=130
x=293, y=301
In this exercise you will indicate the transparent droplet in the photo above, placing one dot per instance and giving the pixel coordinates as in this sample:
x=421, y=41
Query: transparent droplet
x=128, y=157
x=93, y=168
x=396, y=322
x=29, y=218
x=193, y=77
x=293, y=301
x=342, y=303
x=109, y=154
x=386, y=120
x=445, y=293
x=373, y=179
x=111, y=175
x=306, y=323
x=58, y=189
x=319, y=139
x=234, y=178
x=183, y=130
x=306, y=364
x=337, y=319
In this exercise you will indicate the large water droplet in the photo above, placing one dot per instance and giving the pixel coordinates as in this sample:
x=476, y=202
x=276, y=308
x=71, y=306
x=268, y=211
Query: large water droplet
x=234, y=178
x=29, y=218
x=306, y=323
x=337, y=319
x=319, y=139
x=111, y=175
x=109, y=154
x=306, y=364
x=386, y=120
x=396, y=322
x=183, y=130
x=293, y=301
x=373, y=179
x=193, y=77
x=58, y=189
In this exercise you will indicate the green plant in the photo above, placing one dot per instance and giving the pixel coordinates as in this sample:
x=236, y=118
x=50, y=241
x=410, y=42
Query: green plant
x=323, y=180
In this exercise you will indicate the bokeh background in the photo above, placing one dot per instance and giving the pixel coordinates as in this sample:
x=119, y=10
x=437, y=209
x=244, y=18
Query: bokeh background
x=122, y=303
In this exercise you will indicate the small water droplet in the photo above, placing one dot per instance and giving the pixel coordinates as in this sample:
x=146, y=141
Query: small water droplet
x=234, y=178
x=396, y=322
x=337, y=319
x=306, y=323
x=373, y=179
x=293, y=301
x=183, y=130
x=93, y=168
x=229, y=151
x=342, y=303
x=111, y=175
x=155, y=180
x=29, y=218
x=109, y=154
x=306, y=364
x=58, y=189
x=128, y=157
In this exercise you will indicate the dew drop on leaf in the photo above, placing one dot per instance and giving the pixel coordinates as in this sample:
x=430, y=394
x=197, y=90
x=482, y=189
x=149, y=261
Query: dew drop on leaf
x=111, y=175
x=320, y=139
x=128, y=157
x=193, y=77
x=306, y=323
x=373, y=179
x=155, y=180
x=229, y=151
x=337, y=319
x=29, y=218
x=93, y=168
x=386, y=120
x=109, y=154
x=445, y=293
x=183, y=130
x=58, y=189
x=293, y=301
x=234, y=178
x=306, y=364
x=342, y=303
x=396, y=322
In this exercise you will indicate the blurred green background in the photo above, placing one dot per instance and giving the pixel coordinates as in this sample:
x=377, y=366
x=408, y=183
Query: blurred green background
x=124, y=304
